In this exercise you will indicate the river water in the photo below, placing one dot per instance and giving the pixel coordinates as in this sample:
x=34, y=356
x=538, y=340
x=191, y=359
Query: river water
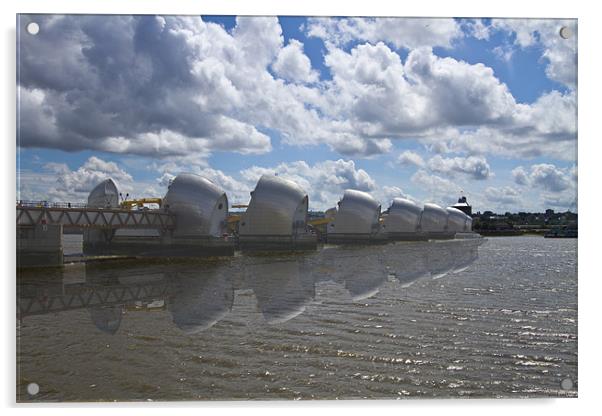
x=405, y=320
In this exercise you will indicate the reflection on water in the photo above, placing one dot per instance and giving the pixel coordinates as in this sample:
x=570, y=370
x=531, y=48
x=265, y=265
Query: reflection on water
x=200, y=294
x=422, y=319
x=196, y=304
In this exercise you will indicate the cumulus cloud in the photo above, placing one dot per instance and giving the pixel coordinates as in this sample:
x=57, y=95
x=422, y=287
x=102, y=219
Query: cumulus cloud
x=520, y=175
x=477, y=28
x=459, y=93
x=443, y=99
x=56, y=182
x=87, y=176
x=546, y=176
x=238, y=190
x=475, y=167
x=388, y=193
x=549, y=177
x=409, y=158
x=506, y=196
x=504, y=52
x=557, y=186
x=383, y=97
x=439, y=190
x=293, y=65
x=560, y=54
x=131, y=84
x=165, y=179
x=174, y=86
x=406, y=33
x=548, y=127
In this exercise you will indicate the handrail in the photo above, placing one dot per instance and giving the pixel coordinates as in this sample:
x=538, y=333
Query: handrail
x=89, y=217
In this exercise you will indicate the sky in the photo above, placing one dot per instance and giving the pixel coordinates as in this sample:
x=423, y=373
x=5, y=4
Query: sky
x=426, y=109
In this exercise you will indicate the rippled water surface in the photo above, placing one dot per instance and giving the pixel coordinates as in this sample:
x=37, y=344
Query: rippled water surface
x=443, y=319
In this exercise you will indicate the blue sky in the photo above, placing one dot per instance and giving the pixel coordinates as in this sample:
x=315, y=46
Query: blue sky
x=416, y=108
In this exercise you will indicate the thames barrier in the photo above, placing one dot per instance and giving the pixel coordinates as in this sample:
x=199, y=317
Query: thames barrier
x=193, y=220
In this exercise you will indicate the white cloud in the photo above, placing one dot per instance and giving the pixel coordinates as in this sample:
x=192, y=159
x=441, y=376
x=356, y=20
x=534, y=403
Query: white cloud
x=172, y=86
x=549, y=177
x=177, y=87
x=238, y=191
x=548, y=127
x=406, y=33
x=378, y=96
x=260, y=39
x=87, y=176
x=58, y=183
x=293, y=65
x=557, y=186
x=475, y=167
x=520, y=175
x=165, y=179
x=387, y=193
x=561, y=54
x=506, y=196
x=504, y=52
x=439, y=190
x=443, y=100
x=459, y=93
x=409, y=158
x=477, y=28
x=546, y=176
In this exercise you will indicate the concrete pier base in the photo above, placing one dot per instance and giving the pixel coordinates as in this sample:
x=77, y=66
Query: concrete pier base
x=407, y=237
x=349, y=238
x=440, y=236
x=40, y=245
x=467, y=236
x=261, y=243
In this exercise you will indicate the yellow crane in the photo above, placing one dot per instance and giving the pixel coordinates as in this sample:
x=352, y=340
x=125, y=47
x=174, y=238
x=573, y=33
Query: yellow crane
x=139, y=203
x=319, y=221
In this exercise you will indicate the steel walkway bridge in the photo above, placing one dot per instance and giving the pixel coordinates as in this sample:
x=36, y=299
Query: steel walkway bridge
x=80, y=216
x=89, y=295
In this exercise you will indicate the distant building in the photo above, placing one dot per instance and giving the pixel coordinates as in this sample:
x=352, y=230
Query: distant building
x=463, y=206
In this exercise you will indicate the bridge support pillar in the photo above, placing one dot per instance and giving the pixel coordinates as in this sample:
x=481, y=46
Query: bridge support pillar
x=40, y=245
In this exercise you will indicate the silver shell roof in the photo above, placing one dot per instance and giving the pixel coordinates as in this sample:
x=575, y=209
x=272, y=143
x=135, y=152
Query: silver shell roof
x=104, y=195
x=456, y=220
x=278, y=207
x=200, y=206
x=434, y=219
x=358, y=213
x=404, y=216
x=468, y=223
